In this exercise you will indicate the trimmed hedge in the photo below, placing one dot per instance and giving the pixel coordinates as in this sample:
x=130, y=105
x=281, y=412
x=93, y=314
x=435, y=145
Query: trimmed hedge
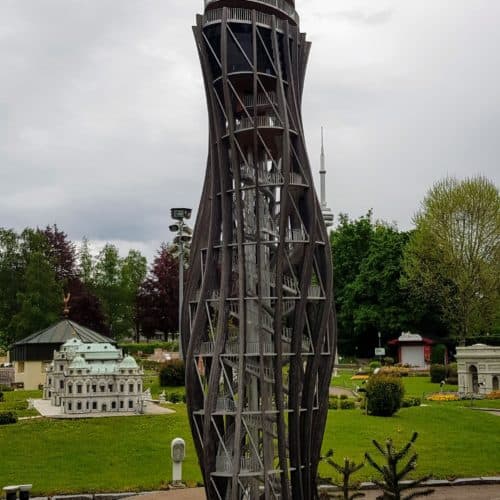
x=149, y=347
x=384, y=394
x=172, y=373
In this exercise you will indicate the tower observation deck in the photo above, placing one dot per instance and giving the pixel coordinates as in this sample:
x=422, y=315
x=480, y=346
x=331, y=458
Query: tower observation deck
x=258, y=325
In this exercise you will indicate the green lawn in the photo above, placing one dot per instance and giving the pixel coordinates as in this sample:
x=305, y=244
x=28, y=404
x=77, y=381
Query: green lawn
x=133, y=453
x=16, y=402
x=95, y=454
x=454, y=441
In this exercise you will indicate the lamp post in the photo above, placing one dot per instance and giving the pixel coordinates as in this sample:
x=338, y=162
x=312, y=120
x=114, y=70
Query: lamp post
x=183, y=237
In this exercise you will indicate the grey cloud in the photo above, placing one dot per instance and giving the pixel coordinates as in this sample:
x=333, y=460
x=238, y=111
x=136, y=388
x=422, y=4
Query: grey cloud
x=370, y=18
x=103, y=121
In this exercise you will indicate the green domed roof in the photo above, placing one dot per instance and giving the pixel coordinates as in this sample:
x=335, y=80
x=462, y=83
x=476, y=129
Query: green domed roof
x=78, y=362
x=128, y=362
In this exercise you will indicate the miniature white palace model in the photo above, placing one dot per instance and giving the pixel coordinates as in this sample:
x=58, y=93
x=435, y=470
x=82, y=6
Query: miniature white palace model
x=93, y=377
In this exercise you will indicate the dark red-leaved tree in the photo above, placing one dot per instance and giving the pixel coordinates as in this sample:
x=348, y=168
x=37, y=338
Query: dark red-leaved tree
x=85, y=308
x=158, y=298
x=62, y=253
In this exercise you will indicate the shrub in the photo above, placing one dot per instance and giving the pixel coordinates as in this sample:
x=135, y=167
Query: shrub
x=396, y=370
x=388, y=361
x=408, y=402
x=437, y=354
x=347, y=404
x=343, y=396
x=384, y=394
x=333, y=402
x=172, y=374
x=1, y=397
x=452, y=380
x=6, y=388
x=174, y=397
x=438, y=373
x=7, y=418
x=375, y=364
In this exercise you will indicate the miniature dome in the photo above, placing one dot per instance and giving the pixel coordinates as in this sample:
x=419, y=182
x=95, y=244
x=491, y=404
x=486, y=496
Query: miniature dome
x=128, y=362
x=78, y=362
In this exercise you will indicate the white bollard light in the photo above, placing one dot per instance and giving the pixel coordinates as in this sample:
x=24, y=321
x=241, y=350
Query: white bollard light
x=178, y=454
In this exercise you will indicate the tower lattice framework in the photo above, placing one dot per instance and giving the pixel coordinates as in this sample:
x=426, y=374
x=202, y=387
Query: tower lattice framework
x=258, y=319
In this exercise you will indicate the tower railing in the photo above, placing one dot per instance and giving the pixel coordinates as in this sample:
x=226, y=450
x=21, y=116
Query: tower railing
x=281, y=5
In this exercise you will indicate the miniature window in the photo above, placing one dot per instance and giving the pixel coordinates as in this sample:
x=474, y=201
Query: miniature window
x=94, y=405
x=130, y=404
x=20, y=366
x=94, y=388
x=79, y=389
x=61, y=368
x=79, y=405
x=110, y=387
x=61, y=384
x=70, y=388
x=121, y=404
x=87, y=405
x=103, y=388
x=88, y=387
x=69, y=406
x=130, y=387
x=122, y=387
x=113, y=405
x=139, y=387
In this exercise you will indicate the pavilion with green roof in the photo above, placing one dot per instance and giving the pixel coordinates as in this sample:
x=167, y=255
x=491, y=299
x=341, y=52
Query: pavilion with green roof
x=31, y=355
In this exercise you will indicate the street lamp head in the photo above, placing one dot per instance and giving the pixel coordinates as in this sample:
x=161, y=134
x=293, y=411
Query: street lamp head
x=174, y=228
x=180, y=213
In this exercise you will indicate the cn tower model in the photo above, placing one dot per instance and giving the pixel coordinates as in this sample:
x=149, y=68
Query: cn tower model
x=258, y=325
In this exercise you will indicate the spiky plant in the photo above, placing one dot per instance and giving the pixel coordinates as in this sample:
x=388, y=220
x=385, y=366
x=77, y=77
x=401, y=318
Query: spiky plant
x=346, y=471
x=391, y=483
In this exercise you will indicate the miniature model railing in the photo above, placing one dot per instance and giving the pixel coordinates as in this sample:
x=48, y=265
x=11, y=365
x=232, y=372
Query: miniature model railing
x=262, y=100
x=247, y=464
x=225, y=404
x=264, y=121
x=281, y=5
x=274, y=177
x=242, y=15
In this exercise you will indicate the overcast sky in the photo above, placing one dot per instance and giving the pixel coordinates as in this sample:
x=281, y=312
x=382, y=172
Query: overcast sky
x=103, y=122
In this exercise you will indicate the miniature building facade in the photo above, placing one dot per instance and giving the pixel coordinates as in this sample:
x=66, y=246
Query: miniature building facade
x=93, y=377
x=413, y=349
x=32, y=355
x=478, y=369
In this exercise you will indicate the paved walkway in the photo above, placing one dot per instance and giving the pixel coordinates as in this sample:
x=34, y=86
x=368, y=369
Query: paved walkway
x=44, y=407
x=474, y=492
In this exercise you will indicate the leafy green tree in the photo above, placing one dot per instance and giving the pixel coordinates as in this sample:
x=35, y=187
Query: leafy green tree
x=11, y=272
x=108, y=287
x=350, y=243
x=375, y=296
x=40, y=301
x=453, y=257
x=86, y=263
x=134, y=271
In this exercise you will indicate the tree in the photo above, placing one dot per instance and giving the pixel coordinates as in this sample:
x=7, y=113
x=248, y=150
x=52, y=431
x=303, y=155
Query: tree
x=11, y=273
x=108, y=287
x=350, y=243
x=133, y=273
x=453, y=257
x=158, y=298
x=40, y=301
x=393, y=484
x=62, y=253
x=367, y=262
